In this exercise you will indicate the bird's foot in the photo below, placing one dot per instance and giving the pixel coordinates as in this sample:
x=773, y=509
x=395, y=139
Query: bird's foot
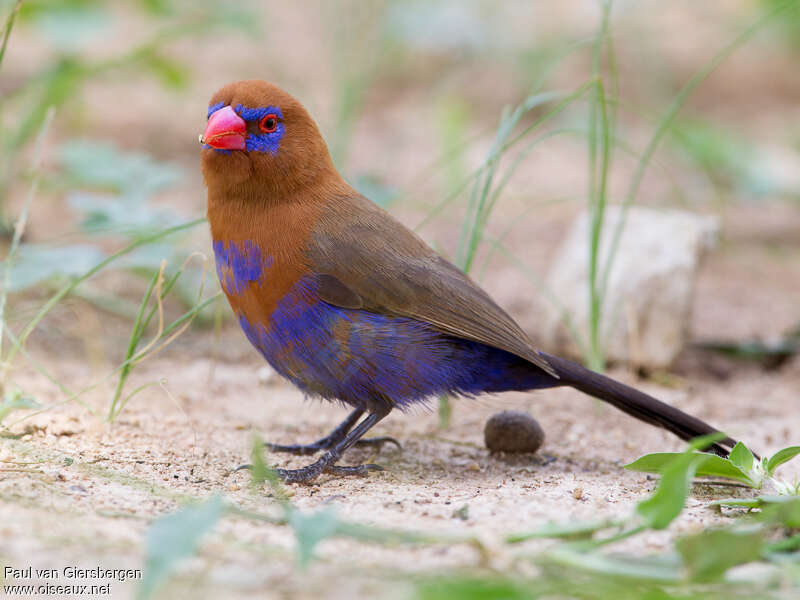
x=323, y=465
x=326, y=443
x=312, y=471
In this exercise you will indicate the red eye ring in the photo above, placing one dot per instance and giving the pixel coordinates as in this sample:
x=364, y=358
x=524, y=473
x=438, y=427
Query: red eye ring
x=268, y=123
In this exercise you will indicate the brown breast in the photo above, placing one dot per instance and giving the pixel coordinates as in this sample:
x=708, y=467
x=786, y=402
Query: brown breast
x=260, y=253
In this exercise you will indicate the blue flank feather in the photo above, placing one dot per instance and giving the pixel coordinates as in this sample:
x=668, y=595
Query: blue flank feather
x=356, y=355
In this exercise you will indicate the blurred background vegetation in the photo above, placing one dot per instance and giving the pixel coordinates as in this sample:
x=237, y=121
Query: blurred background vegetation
x=410, y=96
x=484, y=125
x=469, y=120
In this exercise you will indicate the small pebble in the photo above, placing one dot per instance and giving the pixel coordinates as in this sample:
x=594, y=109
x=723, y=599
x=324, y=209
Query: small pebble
x=513, y=431
x=577, y=493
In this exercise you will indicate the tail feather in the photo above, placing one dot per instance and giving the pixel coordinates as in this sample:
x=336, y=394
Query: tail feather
x=636, y=403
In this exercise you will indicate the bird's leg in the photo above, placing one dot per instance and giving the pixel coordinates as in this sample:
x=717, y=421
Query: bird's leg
x=329, y=441
x=327, y=462
x=333, y=438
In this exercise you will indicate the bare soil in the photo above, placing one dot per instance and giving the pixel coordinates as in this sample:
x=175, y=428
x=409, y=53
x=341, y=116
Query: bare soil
x=76, y=490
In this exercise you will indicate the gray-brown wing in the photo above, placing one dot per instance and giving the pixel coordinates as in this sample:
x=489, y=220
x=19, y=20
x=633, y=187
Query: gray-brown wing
x=360, y=252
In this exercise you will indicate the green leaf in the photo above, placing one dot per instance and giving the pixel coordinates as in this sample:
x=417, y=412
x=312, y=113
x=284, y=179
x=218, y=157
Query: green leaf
x=100, y=165
x=742, y=457
x=36, y=263
x=715, y=466
x=667, y=502
x=171, y=73
x=14, y=400
x=708, y=465
x=157, y=7
x=780, y=457
x=470, y=588
x=126, y=214
x=569, y=530
x=737, y=502
x=310, y=530
x=70, y=27
x=784, y=510
x=710, y=553
x=653, y=463
x=660, y=568
x=175, y=537
x=758, y=502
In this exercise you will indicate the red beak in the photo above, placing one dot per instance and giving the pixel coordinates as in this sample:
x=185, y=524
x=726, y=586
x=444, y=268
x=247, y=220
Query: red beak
x=225, y=130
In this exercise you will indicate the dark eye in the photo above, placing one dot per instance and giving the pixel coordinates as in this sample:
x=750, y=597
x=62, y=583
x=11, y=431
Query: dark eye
x=268, y=123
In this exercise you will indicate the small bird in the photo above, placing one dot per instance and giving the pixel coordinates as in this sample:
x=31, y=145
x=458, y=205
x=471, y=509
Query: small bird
x=350, y=305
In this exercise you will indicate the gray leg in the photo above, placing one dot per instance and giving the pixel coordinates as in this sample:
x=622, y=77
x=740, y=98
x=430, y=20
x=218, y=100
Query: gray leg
x=327, y=462
x=335, y=436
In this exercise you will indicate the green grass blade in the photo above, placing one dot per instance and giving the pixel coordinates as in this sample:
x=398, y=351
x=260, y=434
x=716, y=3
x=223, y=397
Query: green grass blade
x=67, y=288
x=18, y=230
x=666, y=123
x=133, y=342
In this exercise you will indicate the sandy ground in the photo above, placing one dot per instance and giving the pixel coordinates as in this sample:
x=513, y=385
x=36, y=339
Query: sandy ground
x=182, y=440
x=75, y=490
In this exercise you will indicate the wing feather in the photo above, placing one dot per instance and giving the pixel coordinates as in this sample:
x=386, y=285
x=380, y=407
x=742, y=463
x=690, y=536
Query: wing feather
x=363, y=256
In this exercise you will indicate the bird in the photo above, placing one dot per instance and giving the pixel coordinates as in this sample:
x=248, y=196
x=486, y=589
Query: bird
x=350, y=305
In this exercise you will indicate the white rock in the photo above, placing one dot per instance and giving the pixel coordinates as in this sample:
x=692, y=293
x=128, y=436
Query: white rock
x=647, y=305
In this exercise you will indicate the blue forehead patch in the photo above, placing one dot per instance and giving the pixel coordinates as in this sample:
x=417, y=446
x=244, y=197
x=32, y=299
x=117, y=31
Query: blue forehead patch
x=214, y=108
x=254, y=114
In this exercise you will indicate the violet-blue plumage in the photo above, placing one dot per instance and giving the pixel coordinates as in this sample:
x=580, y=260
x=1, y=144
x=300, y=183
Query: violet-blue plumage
x=357, y=307
x=237, y=267
x=214, y=108
x=355, y=355
x=220, y=150
x=262, y=142
x=266, y=142
x=255, y=114
x=255, y=142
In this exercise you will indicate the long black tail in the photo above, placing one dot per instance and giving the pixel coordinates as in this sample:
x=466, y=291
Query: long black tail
x=635, y=403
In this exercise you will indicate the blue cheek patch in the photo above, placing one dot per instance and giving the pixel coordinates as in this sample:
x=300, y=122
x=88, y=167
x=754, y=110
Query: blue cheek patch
x=238, y=267
x=266, y=142
x=262, y=142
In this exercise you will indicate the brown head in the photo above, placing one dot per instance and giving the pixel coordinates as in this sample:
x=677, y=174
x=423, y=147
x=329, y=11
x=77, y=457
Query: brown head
x=260, y=141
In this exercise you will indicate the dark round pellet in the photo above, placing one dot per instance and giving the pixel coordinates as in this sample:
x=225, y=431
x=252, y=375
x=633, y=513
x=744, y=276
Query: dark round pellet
x=513, y=431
